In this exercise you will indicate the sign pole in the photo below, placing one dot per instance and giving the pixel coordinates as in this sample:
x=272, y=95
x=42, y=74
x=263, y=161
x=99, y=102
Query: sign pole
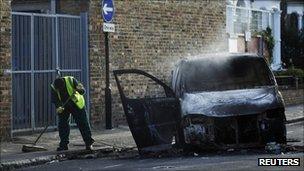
x=107, y=14
x=108, y=94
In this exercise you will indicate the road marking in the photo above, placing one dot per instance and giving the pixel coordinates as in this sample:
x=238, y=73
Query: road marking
x=111, y=166
x=163, y=167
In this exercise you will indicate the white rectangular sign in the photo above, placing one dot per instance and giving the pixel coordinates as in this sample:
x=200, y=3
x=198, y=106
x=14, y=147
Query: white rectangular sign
x=108, y=27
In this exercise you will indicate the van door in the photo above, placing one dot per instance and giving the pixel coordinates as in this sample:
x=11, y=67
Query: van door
x=153, y=121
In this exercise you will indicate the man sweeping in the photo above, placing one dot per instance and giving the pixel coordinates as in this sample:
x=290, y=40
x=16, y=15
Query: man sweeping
x=67, y=95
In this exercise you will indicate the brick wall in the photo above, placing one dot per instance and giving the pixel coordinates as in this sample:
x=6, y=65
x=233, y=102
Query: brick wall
x=292, y=97
x=5, y=63
x=97, y=71
x=151, y=35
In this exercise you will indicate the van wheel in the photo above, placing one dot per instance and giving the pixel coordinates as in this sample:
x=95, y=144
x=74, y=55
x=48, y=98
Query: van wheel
x=280, y=134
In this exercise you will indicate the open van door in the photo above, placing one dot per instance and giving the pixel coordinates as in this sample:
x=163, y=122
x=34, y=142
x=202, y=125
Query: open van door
x=153, y=121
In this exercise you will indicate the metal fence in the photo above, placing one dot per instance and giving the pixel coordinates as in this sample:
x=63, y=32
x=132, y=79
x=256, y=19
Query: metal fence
x=290, y=82
x=40, y=44
x=240, y=19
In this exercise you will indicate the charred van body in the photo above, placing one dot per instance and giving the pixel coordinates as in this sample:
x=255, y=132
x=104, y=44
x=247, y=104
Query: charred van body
x=229, y=100
x=218, y=101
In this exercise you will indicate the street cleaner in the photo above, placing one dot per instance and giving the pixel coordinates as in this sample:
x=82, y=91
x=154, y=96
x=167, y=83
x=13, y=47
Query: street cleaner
x=67, y=95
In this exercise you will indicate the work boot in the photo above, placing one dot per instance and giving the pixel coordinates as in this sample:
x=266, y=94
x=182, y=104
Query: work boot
x=89, y=147
x=62, y=148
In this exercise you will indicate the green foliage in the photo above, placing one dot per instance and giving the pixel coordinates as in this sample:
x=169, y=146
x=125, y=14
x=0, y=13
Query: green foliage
x=293, y=48
x=292, y=43
x=296, y=72
x=269, y=40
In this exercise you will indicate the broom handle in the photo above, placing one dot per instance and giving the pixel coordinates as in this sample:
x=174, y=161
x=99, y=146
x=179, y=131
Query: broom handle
x=68, y=99
x=45, y=128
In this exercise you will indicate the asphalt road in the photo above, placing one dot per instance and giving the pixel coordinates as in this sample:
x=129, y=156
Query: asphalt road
x=236, y=160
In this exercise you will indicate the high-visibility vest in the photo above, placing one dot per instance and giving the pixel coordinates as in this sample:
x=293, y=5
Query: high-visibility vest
x=77, y=98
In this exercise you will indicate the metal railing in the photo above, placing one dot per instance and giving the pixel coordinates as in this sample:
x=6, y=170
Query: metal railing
x=41, y=43
x=290, y=82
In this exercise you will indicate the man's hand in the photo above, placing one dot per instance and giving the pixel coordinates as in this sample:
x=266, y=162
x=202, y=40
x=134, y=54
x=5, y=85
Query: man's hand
x=59, y=110
x=79, y=87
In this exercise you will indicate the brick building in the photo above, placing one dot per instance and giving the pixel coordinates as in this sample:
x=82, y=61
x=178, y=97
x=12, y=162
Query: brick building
x=5, y=62
x=150, y=35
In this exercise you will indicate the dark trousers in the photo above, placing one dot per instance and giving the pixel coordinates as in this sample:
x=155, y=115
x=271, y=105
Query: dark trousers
x=80, y=116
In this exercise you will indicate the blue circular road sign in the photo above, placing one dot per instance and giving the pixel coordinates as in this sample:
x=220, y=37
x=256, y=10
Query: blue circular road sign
x=107, y=10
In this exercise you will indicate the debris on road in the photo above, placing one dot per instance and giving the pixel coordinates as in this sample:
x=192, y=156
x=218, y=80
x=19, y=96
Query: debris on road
x=273, y=147
x=230, y=150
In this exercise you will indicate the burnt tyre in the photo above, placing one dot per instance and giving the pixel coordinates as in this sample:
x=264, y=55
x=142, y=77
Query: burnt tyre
x=279, y=131
x=273, y=127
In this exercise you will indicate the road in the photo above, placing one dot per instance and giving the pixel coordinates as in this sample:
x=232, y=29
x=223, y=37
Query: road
x=236, y=160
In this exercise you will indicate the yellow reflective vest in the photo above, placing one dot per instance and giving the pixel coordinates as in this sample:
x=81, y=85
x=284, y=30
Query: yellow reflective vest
x=77, y=98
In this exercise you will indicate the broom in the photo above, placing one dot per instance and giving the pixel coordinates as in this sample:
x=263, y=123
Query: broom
x=33, y=147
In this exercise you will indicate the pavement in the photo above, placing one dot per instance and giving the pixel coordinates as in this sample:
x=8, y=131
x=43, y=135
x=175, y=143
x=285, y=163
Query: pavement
x=12, y=157
x=107, y=142
x=294, y=113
